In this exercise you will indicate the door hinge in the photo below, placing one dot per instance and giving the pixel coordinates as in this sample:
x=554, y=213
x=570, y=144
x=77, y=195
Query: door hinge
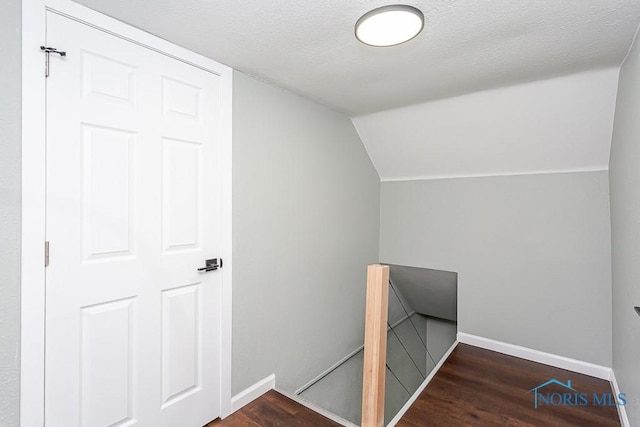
x=46, y=254
x=48, y=51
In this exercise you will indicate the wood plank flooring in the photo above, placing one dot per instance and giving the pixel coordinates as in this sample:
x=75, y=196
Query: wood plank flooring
x=274, y=409
x=477, y=387
x=474, y=387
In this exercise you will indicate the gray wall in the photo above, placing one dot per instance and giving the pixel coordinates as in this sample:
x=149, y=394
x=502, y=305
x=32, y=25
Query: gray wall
x=532, y=254
x=10, y=143
x=305, y=226
x=624, y=178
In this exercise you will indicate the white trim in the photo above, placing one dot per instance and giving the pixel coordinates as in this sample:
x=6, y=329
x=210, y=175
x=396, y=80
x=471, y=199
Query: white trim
x=420, y=389
x=34, y=192
x=33, y=218
x=622, y=410
x=119, y=29
x=226, y=319
x=252, y=393
x=490, y=175
x=562, y=362
x=321, y=411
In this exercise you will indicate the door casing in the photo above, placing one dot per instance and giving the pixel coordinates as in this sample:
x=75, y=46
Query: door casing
x=33, y=232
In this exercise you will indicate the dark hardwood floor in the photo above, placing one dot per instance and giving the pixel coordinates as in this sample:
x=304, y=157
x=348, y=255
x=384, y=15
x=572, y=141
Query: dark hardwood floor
x=274, y=409
x=477, y=387
x=474, y=387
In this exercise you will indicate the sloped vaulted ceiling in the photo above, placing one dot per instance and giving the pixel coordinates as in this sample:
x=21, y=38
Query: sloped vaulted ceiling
x=562, y=124
x=467, y=46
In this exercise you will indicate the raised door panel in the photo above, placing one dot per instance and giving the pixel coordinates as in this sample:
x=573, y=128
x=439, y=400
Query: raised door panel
x=106, y=370
x=108, y=192
x=181, y=342
x=181, y=198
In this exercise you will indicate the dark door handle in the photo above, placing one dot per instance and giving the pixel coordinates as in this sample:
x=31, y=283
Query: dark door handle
x=211, y=264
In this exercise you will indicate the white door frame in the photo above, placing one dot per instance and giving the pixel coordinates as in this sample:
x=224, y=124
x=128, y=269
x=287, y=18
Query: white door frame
x=32, y=354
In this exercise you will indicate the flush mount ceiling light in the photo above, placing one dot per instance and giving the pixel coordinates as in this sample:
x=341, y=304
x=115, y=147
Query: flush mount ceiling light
x=389, y=25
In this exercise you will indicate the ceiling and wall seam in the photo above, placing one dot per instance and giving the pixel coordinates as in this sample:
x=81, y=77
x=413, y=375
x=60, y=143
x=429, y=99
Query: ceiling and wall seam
x=366, y=149
x=631, y=46
x=613, y=117
x=286, y=90
x=634, y=40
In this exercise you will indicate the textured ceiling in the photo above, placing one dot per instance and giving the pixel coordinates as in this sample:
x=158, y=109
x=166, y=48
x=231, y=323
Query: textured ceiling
x=467, y=45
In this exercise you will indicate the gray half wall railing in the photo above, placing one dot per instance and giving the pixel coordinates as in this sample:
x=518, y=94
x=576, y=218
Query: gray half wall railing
x=415, y=344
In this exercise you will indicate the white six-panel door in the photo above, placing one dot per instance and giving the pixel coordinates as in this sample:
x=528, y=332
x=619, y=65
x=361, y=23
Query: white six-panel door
x=133, y=210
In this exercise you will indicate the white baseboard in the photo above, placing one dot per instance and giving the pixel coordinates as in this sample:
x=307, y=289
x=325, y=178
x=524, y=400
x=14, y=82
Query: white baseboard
x=562, y=362
x=420, y=389
x=622, y=411
x=321, y=411
x=252, y=393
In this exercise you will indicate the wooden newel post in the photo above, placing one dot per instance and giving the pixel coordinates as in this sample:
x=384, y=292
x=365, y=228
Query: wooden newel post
x=375, y=346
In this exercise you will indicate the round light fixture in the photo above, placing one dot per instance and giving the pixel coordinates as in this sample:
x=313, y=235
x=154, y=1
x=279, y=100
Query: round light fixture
x=389, y=25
